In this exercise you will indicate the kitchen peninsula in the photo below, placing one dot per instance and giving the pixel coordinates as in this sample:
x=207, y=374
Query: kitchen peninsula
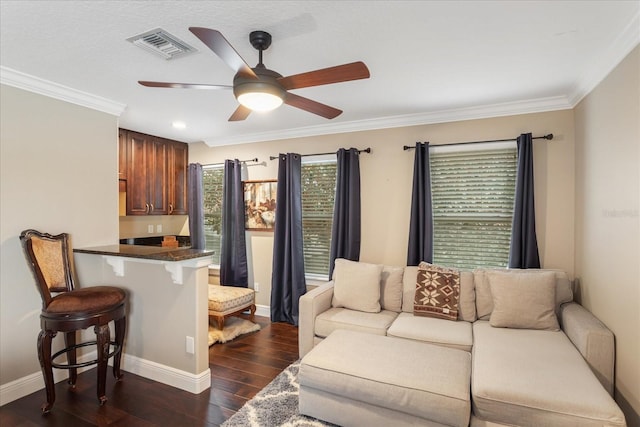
x=167, y=319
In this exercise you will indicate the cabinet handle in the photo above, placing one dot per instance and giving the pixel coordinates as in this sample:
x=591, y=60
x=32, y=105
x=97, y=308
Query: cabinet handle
x=147, y=207
x=170, y=208
x=151, y=210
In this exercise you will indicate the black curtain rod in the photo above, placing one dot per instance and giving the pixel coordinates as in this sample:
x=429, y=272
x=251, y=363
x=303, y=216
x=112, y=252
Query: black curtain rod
x=222, y=163
x=548, y=137
x=366, y=150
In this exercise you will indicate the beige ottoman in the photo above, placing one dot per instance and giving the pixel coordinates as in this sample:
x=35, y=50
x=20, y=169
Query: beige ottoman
x=225, y=301
x=355, y=379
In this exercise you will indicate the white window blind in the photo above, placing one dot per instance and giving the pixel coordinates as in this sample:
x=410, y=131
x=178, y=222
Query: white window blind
x=473, y=199
x=212, y=184
x=318, y=193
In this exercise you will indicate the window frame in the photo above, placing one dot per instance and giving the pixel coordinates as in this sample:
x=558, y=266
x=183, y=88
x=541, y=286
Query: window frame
x=217, y=250
x=316, y=160
x=471, y=217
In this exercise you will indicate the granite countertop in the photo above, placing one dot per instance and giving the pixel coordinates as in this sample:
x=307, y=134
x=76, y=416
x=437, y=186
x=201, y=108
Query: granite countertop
x=157, y=253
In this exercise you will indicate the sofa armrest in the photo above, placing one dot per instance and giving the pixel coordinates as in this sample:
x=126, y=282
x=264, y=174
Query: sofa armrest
x=311, y=305
x=593, y=340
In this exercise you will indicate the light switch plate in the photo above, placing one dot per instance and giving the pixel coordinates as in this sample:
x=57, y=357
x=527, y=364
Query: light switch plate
x=191, y=347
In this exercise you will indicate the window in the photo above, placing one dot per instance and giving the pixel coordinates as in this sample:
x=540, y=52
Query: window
x=212, y=184
x=318, y=192
x=473, y=197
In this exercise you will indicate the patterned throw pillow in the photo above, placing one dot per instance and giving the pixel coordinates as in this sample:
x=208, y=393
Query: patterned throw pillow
x=437, y=292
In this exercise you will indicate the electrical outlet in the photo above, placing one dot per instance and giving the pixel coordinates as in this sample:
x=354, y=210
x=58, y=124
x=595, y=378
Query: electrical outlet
x=159, y=228
x=191, y=345
x=150, y=228
x=256, y=286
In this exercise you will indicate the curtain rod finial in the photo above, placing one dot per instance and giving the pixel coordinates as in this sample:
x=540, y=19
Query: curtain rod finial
x=549, y=136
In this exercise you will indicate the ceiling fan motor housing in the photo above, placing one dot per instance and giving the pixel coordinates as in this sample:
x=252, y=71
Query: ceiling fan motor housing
x=267, y=83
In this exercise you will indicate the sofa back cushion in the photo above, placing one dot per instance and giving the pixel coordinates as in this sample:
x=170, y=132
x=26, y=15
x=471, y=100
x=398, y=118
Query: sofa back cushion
x=391, y=288
x=466, y=301
x=484, y=299
x=356, y=285
x=523, y=301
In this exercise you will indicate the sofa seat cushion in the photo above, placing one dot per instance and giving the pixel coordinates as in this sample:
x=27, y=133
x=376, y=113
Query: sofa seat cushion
x=344, y=318
x=442, y=332
x=532, y=378
x=423, y=380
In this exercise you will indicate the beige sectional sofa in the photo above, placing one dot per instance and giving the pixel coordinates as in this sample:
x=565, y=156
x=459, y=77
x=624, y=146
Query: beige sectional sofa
x=522, y=376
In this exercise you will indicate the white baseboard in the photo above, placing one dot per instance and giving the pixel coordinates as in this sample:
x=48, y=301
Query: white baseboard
x=22, y=387
x=31, y=383
x=193, y=383
x=263, y=310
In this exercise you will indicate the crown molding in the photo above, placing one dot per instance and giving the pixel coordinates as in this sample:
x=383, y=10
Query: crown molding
x=11, y=77
x=469, y=113
x=628, y=39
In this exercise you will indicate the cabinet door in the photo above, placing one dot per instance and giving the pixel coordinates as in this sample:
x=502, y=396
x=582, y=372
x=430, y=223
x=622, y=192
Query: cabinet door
x=123, y=154
x=137, y=192
x=157, y=176
x=178, y=158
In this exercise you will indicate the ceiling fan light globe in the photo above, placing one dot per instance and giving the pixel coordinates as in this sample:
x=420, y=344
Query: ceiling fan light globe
x=260, y=101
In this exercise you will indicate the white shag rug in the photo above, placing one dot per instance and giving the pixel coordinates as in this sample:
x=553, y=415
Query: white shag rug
x=233, y=327
x=275, y=405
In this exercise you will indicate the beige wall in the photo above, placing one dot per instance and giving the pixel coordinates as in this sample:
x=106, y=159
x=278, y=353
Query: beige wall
x=58, y=174
x=607, y=220
x=386, y=177
x=138, y=225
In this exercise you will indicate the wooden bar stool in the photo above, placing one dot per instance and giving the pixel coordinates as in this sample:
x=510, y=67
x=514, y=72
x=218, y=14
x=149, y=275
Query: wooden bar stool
x=72, y=310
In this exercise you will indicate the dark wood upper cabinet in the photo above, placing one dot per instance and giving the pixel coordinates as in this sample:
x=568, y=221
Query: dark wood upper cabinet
x=156, y=175
x=178, y=159
x=123, y=154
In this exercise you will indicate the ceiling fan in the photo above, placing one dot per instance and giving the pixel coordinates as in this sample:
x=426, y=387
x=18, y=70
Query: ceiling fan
x=262, y=89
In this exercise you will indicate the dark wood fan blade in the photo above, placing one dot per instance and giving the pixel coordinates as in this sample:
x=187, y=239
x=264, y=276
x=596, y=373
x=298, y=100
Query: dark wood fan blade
x=311, y=106
x=221, y=47
x=340, y=73
x=241, y=113
x=183, y=85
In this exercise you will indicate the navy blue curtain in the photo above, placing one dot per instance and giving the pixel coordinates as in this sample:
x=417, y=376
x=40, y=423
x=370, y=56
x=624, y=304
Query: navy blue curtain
x=421, y=221
x=524, y=244
x=195, y=197
x=287, y=278
x=233, y=256
x=345, y=230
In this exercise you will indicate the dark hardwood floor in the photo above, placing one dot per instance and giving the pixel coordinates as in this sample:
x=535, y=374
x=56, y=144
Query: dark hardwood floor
x=239, y=369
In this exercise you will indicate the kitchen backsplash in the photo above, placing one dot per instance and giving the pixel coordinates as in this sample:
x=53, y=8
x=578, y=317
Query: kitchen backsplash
x=153, y=225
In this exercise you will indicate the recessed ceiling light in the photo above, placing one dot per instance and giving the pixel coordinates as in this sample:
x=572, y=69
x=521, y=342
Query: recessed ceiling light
x=179, y=125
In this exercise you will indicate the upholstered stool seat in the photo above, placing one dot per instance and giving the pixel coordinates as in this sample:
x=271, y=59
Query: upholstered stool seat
x=72, y=310
x=226, y=301
x=86, y=300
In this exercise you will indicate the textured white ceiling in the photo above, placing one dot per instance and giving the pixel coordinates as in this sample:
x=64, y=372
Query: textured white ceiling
x=429, y=60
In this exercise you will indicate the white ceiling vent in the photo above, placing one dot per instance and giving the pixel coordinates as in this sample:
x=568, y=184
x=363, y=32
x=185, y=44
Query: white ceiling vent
x=162, y=43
